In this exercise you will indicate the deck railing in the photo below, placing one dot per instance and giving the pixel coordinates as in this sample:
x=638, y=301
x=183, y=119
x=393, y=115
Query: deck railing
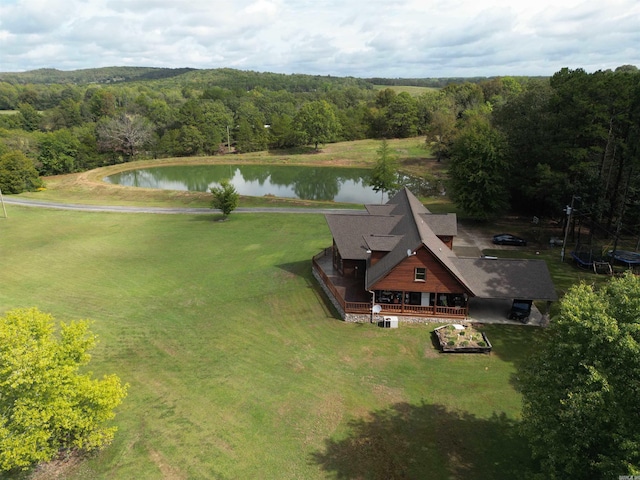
x=389, y=308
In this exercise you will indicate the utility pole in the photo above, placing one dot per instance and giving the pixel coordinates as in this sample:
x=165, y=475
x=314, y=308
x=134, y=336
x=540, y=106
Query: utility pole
x=569, y=211
x=3, y=207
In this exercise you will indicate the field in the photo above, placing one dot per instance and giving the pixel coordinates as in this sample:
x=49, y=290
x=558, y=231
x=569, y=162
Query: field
x=237, y=366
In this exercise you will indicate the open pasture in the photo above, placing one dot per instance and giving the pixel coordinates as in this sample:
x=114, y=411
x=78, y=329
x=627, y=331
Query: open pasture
x=237, y=366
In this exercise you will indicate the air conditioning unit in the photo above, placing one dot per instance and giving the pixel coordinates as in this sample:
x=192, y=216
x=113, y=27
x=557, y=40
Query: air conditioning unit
x=389, y=322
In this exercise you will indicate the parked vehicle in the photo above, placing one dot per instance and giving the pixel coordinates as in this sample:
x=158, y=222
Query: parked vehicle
x=520, y=310
x=508, y=239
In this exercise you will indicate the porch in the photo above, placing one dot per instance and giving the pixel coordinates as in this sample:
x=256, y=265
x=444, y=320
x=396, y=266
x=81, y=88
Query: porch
x=350, y=294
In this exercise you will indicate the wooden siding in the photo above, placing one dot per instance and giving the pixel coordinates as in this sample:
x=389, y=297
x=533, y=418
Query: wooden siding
x=402, y=278
x=448, y=241
x=375, y=256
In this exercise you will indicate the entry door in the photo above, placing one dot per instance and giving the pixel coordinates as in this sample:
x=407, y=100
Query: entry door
x=425, y=300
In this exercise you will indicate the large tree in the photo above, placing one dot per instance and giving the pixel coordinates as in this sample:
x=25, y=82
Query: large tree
x=317, y=122
x=48, y=402
x=125, y=134
x=581, y=386
x=17, y=173
x=479, y=172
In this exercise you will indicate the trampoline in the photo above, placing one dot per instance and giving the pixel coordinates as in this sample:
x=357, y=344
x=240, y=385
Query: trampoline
x=625, y=257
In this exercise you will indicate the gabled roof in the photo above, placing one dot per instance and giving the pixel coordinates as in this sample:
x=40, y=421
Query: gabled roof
x=349, y=232
x=403, y=225
x=414, y=233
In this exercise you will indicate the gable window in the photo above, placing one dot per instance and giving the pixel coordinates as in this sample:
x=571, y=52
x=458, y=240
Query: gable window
x=420, y=274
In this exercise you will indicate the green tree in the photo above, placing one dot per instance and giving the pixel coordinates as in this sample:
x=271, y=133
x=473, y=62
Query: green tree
x=581, y=387
x=401, y=117
x=225, y=198
x=48, y=404
x=479, y=171
x=30, y=118
x=317, y=122
x=250, y=134
x=58, y=151
x=384, y=176
x=17, y=173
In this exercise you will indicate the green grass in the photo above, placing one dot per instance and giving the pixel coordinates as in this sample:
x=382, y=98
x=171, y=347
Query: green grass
x=413, y=91
x=237, y=366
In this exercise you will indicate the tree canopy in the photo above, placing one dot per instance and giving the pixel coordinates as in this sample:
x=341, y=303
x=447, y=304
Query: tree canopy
x=581, y=386
x=225, y=198
x=17, y=173
x=318, y=122
x=479, y=170
x=48, y=402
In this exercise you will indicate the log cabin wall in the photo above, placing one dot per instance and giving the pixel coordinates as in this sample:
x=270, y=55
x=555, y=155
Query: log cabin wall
x=402, y=278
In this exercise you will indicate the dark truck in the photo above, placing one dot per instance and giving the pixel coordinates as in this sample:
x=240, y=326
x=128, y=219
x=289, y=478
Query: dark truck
x=520, y=310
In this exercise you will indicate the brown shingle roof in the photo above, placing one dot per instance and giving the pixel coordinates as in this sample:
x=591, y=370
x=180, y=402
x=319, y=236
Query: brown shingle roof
x=508, y=278
x=404, y=224
x=349, y=231
x=442, y=224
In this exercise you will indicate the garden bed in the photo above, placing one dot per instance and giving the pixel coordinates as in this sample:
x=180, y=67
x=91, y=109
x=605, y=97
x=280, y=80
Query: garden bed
x=455, y=338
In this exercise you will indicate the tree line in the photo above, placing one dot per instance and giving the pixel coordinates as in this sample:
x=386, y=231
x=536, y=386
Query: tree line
x=117, y=114
x=528, y=145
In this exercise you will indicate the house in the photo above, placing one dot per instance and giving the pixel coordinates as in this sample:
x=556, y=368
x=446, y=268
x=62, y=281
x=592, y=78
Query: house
x=398, y=259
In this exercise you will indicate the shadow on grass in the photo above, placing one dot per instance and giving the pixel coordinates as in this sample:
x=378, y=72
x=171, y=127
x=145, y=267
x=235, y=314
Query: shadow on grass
x=408, y=441
x=514, y=344
x=299, y=269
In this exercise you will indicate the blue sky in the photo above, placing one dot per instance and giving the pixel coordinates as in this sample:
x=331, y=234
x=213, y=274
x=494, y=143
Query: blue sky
x=361, y=38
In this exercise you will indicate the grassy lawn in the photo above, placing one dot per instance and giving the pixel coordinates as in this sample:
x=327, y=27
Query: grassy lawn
x=237, y=366
x=413, y=91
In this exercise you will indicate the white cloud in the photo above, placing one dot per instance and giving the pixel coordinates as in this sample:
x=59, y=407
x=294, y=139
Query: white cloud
x=395, y=38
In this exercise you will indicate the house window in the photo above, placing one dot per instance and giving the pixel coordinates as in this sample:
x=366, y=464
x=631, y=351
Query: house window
x=420, y=274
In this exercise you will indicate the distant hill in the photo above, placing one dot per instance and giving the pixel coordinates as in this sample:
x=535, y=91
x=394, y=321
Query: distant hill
x=186, y=77
x=92, y=75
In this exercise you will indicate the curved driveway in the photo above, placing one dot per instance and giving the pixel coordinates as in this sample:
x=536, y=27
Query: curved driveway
x=193, y=211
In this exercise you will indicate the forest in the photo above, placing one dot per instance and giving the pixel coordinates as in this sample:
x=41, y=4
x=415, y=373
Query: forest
x=529, y=146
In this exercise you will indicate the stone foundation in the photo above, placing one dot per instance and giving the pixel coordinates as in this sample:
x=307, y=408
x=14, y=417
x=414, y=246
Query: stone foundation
x=330, y=296
x=361, y=318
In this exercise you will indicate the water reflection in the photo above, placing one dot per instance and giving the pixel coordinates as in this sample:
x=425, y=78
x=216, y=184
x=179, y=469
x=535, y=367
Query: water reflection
x=348, y=185
x=308, y=183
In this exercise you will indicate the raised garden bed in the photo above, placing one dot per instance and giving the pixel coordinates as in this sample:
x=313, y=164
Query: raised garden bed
x=454, y=338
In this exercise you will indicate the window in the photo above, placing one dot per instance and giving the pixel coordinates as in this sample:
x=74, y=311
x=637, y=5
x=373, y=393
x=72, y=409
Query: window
x=420, y=274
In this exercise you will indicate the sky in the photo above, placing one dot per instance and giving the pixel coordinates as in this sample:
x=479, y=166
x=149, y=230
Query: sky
x=359, y=38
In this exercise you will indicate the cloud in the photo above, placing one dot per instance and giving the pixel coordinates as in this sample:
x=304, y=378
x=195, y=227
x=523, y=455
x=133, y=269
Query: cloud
x=397, y=38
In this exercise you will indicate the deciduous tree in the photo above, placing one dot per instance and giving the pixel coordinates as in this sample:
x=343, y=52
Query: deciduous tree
x=581, y=386
x=48, y=403
x=225, y=198
x=125, y=134
x=479, y=171
x=17, y=173
x=317, y=122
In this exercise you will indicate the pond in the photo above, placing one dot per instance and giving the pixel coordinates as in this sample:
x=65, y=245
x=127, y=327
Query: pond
x=348, y=185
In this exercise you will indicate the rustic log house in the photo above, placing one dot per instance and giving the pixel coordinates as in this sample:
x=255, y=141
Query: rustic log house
x=398, y=259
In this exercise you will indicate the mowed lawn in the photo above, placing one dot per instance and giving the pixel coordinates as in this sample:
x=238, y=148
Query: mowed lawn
x=239, y=369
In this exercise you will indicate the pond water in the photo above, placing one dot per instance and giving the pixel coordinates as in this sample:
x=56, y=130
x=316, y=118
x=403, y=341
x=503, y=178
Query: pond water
x=348, y=185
